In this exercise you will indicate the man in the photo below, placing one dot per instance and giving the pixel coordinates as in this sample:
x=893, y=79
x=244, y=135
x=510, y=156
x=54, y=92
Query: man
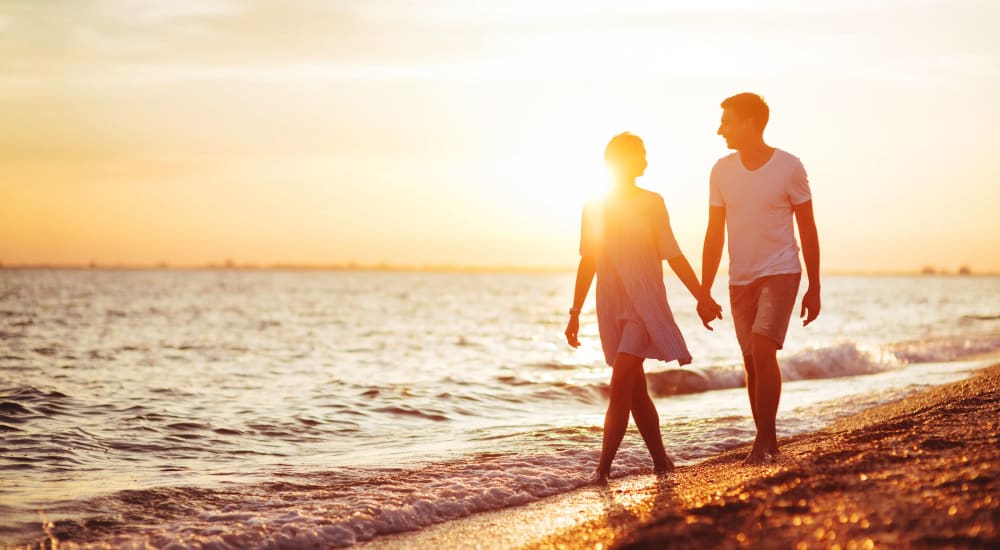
x=756, y=191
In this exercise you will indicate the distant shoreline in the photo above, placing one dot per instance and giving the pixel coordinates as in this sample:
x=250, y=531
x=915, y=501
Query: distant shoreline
x=430, y=268
x=295, y=267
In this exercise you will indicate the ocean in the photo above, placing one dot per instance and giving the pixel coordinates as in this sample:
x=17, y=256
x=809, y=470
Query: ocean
x=283, y=409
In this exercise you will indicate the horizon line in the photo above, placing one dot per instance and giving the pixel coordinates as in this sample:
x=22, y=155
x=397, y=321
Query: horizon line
x=429, y=268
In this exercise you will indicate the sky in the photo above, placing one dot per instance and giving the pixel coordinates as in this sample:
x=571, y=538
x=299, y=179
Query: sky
x=470, y=133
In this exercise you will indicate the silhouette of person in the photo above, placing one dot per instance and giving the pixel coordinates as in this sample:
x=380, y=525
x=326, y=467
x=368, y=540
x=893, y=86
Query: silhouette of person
x=754, y=193
x=624, y=238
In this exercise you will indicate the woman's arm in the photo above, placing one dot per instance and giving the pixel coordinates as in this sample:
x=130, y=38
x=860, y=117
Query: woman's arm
x=584, y=276
x=684, y=272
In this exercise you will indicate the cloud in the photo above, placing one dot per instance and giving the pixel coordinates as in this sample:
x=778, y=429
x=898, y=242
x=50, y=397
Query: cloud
x=134, y=42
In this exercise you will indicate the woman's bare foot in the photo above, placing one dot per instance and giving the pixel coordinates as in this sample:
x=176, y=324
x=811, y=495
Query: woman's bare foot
x=665, y=467
x=598, y=478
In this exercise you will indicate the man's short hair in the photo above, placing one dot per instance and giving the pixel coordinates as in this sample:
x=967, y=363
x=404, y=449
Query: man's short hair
x=622, y=148
x=748, y=105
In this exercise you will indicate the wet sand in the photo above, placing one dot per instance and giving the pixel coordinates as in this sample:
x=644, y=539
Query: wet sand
x=919, y=473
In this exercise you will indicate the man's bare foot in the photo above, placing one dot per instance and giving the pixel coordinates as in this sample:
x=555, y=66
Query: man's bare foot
x=756, y=457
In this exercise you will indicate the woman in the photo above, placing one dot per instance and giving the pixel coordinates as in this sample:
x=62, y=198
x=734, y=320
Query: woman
x=624, y=238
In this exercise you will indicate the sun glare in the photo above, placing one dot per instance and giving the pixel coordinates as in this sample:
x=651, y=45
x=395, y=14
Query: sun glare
x=559, y=164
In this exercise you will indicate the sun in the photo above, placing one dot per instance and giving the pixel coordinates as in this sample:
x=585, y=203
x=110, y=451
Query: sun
x=558, y=163
x=558, y=166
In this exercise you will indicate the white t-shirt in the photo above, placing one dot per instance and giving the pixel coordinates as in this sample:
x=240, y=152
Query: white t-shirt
x=759, y=214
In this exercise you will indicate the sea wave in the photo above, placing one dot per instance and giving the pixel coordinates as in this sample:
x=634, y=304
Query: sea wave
x=331, y=509
x=949, y=348
x=846, y=359
x=837, y=361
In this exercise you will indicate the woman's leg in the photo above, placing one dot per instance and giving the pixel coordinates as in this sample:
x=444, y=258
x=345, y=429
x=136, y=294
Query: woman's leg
x=648, y=421
x=627, y=369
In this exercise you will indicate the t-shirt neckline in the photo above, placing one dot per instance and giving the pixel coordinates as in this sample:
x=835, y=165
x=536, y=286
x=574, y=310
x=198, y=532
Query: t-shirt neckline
x=739, y=160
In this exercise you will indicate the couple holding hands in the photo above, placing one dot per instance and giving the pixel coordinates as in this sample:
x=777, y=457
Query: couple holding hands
x=755, y=192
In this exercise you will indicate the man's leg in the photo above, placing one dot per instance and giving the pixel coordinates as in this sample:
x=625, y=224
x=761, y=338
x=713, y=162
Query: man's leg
x=648, y=422
x=744, y=301
x=774, y=301
x=751, y=377
x=767, y=392
x=627, y=367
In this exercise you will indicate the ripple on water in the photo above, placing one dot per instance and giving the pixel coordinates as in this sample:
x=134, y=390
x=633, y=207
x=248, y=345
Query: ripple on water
x=430, y=414
x=13, y=410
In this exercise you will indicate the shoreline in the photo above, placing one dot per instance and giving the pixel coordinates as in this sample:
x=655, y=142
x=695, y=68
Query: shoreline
x=922, y=472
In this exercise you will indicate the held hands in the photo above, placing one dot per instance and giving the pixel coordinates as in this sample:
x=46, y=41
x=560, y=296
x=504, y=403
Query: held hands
x=709, y=311
x=810, y=306
x=573, y=330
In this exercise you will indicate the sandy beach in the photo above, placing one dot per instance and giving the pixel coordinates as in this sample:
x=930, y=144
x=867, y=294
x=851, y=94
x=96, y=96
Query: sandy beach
x=923, y=472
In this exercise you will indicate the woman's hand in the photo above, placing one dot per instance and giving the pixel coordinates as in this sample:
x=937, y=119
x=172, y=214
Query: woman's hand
x=572, y=330
x=709, y=311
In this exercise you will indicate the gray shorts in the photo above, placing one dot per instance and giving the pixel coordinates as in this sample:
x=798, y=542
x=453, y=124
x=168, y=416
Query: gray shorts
x=764, y=307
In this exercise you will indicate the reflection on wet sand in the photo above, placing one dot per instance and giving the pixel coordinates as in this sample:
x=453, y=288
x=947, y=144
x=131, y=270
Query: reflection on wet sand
x=921, y=472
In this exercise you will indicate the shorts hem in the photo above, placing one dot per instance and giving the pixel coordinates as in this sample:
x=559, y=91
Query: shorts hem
x=759, y=277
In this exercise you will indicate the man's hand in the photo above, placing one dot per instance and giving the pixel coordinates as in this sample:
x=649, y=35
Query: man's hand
x=709, y=311
x=572, y=330
x=810, y=306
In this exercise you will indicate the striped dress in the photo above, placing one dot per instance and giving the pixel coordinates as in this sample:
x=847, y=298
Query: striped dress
x=630, y=235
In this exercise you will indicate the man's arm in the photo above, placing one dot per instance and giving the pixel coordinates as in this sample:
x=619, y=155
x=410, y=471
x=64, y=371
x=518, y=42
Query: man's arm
x=810, y=253
x=715, y=238
x=584, y=276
